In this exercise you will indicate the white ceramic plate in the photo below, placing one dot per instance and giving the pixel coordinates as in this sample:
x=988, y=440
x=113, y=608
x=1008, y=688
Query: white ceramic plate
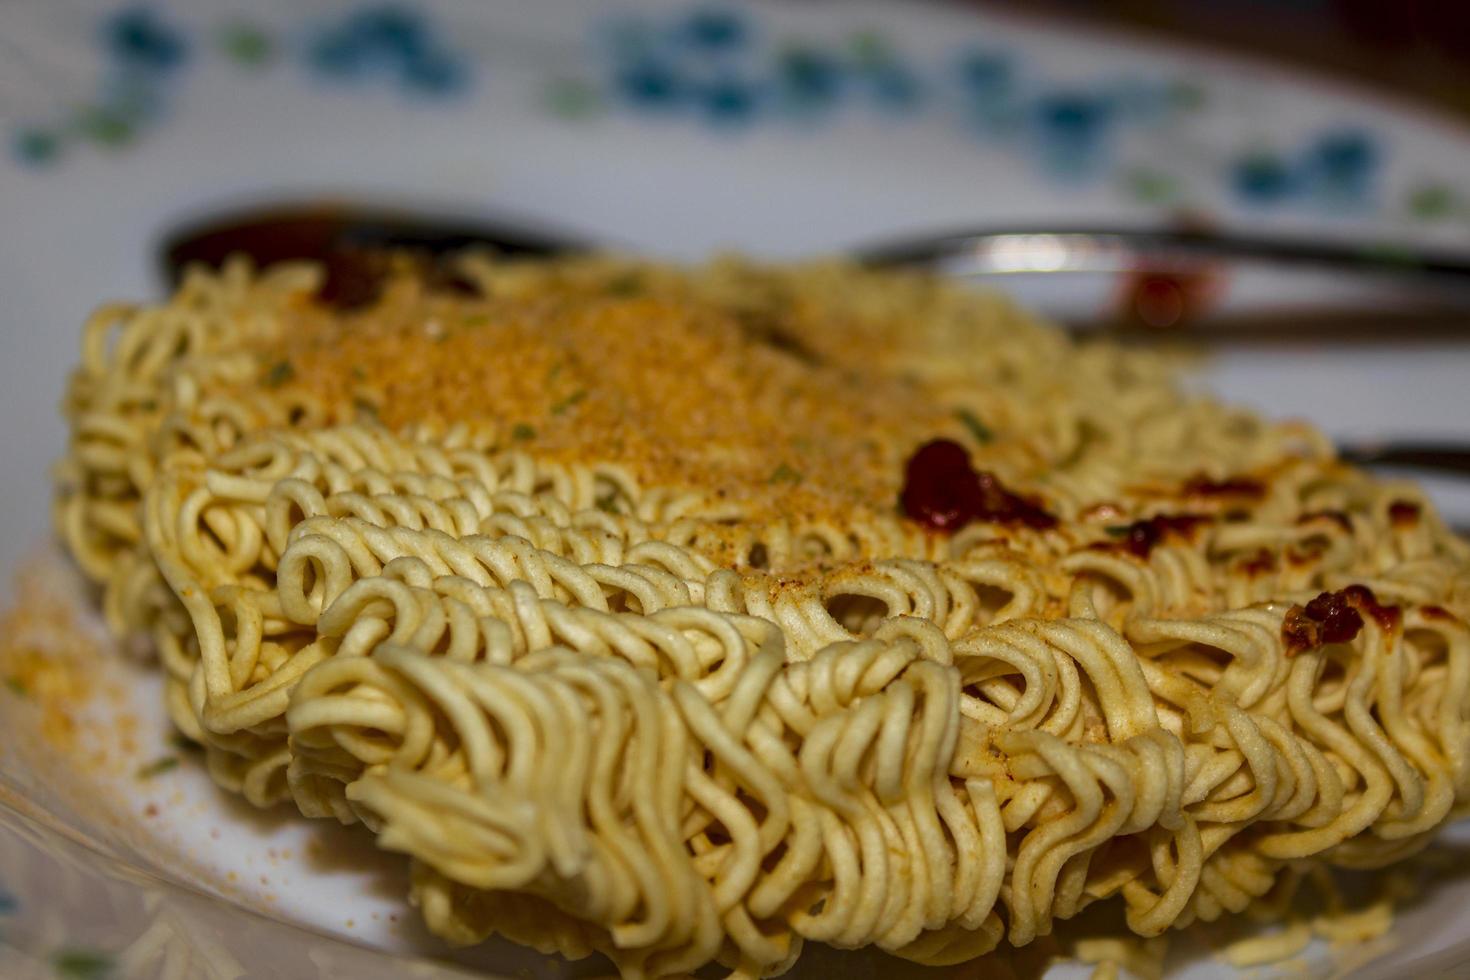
x=672, y=128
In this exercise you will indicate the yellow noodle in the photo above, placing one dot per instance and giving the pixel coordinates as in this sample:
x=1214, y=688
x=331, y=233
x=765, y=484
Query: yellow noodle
x=589, y=595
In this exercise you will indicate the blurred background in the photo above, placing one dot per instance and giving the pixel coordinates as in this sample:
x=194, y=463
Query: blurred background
x=1414, y=48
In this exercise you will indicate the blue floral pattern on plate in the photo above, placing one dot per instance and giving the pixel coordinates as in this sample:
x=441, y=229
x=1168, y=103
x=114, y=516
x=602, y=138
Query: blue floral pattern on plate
x=398, y=44
x=728, y=69
x=147, y=55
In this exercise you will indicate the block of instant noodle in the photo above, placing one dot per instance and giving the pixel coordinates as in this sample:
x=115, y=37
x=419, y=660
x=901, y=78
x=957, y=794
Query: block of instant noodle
x=691, y=615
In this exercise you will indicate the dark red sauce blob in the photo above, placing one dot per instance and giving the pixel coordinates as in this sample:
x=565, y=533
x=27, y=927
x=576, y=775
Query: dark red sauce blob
x=1335, y=617
x=1167, y=298
x=1340, y=621
x=352, y=278
x=1403, y=513
x=943, y=491
x=1362, y=598
x=1260, y=563
x=357, y=248
x=1300, y=633
x=1140, y=537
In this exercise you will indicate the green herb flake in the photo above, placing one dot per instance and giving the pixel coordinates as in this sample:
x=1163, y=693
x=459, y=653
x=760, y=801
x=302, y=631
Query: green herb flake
x=784, y=474
x=607, y=503
x=1118, y=530
x=158, y=767
x=279, y=374
x=569, y=401
x=82, y=964
x=979, y=431
x=522, y=432
x=17, y=686
x=365, y=407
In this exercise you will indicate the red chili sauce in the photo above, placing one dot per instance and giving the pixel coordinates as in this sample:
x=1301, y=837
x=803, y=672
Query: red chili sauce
x=1335, y=617
x=1403, y=513
x=357, y=249
x=941, y=490
x=1235, y=486
x=1140, y=537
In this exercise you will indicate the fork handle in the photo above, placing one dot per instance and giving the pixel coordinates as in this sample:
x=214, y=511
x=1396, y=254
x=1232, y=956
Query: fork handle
x=1444, y=457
